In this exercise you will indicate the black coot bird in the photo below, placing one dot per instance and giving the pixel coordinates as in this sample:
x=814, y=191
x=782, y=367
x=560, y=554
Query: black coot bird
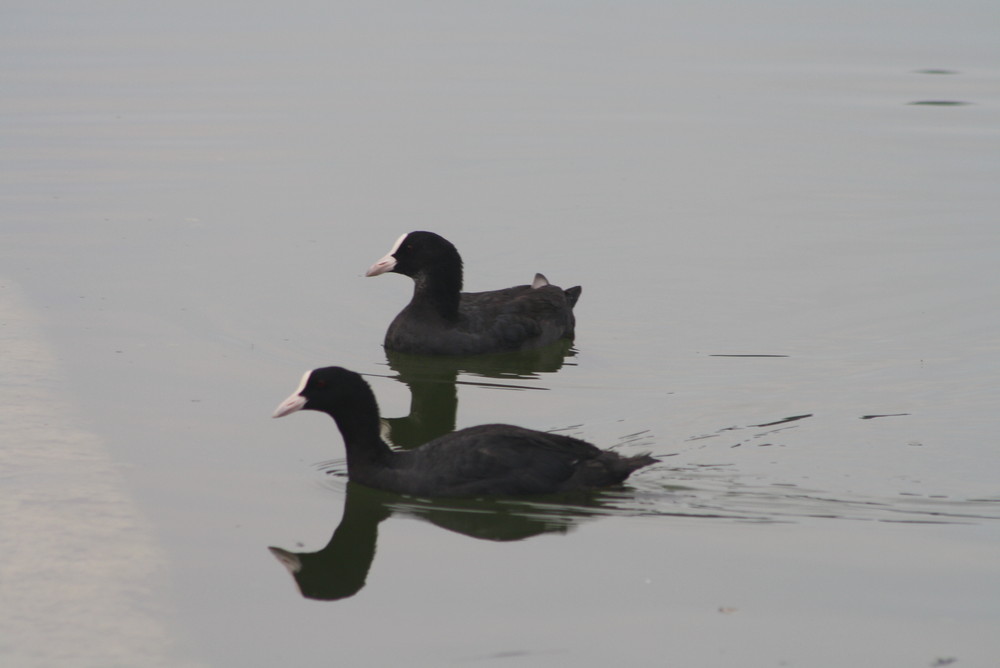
x=443, y=320
x=488, y=460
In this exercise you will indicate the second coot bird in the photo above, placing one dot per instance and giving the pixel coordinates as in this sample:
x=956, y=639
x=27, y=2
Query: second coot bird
x=488, y=460
x=442, y=320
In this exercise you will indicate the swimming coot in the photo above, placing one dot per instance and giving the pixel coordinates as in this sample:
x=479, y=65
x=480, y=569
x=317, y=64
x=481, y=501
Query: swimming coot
x=443, y=320
x=488, y=460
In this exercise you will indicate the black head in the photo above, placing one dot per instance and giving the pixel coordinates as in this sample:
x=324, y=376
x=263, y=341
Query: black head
x=418, y=253
x=328, y=390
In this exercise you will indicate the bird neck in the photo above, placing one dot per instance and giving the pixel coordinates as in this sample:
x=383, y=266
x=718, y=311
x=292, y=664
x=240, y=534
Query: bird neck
x=359, y=425
x=438, y=289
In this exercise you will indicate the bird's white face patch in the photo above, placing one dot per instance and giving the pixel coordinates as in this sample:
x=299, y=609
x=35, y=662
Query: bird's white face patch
x=303, y=382
x=387, y=263
x=399, y=242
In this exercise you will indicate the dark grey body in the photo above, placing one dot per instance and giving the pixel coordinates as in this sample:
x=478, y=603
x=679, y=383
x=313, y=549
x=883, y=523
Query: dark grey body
x=518, y=318
x=499, y=460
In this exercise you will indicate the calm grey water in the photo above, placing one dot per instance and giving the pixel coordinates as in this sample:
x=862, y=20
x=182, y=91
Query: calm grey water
x=785, y=220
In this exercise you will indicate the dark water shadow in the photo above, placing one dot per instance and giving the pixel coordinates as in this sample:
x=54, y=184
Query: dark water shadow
x=340, y=569
x=940, y=103
x=433, y=383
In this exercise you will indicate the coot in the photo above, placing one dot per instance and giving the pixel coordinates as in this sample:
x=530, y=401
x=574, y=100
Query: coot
x=443, y=320
x=488, y=460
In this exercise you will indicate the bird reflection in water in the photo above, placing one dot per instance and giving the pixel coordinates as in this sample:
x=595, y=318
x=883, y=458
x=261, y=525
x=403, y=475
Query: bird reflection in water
x=433, y=384
x=340, y=569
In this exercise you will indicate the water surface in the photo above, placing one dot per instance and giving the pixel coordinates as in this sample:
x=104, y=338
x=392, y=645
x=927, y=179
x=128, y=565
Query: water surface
x=784, y=221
